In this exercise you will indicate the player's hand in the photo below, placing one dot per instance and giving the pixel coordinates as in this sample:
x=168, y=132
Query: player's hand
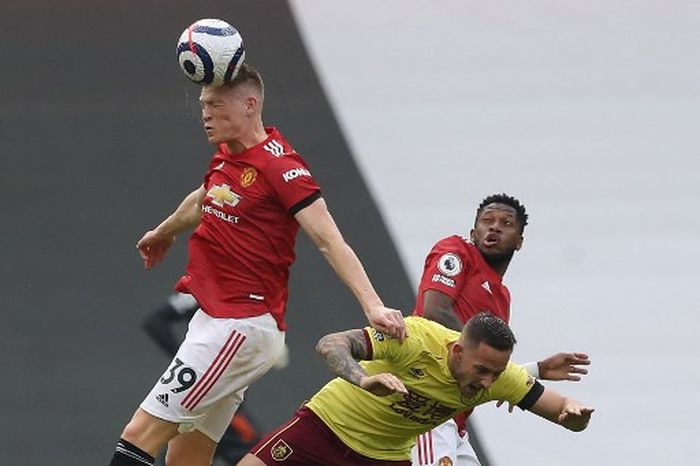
x=510, y=405
x=382, y=384
x=388, y=321
x=153, y=247
x=564, y=366
x=575, y=416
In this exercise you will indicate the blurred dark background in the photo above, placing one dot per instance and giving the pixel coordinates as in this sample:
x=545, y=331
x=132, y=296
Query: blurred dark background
x=100, y=139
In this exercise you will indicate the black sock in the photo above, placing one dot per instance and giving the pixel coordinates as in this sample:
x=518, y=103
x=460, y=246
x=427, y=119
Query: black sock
x=128, y=454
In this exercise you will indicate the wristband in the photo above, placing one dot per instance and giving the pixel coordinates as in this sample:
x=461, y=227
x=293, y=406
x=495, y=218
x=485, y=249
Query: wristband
x=533, y=369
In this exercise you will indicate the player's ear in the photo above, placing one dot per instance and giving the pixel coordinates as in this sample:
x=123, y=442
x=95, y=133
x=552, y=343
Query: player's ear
x=519, y=243
x=471, y=235
x=457, y=350
x=252, y=104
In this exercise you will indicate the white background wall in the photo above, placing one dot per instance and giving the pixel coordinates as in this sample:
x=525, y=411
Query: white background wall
x=587, y=112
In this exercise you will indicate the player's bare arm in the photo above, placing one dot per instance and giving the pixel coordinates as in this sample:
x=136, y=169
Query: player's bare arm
x=342, y=350
x=564, y=366
x=437, y=306
x=319, y=225
x=567, y=412
x=155, y=243
x=561, y=366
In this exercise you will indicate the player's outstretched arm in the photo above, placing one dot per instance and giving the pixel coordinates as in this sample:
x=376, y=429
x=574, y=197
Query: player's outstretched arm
x=154, y=245
x=318, y=223
x=342, y=350
x=564, y=411
x=564, y=366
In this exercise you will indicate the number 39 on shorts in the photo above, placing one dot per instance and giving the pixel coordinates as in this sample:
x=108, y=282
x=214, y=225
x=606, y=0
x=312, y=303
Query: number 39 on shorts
x=180, y=374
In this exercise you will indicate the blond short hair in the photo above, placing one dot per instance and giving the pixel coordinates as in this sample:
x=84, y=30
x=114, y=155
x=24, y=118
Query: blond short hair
x=247, y=75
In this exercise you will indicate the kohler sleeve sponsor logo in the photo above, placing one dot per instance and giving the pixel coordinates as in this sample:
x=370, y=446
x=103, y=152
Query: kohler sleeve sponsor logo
x=289, y=175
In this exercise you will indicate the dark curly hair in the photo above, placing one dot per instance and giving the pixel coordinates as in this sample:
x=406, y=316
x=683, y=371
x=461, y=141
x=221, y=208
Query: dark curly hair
x=509, y=201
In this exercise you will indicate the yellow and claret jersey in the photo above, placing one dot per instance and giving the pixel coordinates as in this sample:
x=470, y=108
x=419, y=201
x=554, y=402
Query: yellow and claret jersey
x=386, y=427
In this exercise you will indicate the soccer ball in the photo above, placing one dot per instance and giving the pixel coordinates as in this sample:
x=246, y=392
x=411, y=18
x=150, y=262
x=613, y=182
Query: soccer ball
x=210, y=52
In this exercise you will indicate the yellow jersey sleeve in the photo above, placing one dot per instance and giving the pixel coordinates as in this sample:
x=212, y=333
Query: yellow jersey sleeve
x=383, y=347
x=514, y=385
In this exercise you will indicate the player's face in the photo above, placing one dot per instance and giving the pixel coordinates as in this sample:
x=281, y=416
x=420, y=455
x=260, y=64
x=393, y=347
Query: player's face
x=476, y=367
x=225, y=113
x=496, y=231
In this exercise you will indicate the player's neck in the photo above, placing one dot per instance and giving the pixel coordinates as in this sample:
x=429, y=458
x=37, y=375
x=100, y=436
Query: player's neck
x=501, y=270
x=499, y=264
x=250, y=138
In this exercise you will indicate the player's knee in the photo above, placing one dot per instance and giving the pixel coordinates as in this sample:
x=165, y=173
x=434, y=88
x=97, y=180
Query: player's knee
x=190, y=449
x=148, y=432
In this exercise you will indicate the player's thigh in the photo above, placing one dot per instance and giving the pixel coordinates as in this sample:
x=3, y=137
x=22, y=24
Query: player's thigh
x=203, y=386
x=307, y=441
x=250, y=460
x=148, y=432
x=218, y=417
x=303, y=441
x=190, y=449
x=438, y=447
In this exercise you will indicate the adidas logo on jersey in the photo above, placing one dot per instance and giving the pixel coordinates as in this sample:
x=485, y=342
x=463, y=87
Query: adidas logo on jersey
x=163, y=399
x=486, y=286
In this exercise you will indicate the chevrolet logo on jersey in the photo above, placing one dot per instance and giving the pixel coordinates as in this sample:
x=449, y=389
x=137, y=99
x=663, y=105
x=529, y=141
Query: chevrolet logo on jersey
x=222, y=194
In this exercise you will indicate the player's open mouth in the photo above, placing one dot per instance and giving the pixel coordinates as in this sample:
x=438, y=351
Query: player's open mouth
x=491, y=240
x=472, y=390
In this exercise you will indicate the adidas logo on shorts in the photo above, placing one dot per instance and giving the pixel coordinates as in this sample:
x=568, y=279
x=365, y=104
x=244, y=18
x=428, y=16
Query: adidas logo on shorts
x=163, y=399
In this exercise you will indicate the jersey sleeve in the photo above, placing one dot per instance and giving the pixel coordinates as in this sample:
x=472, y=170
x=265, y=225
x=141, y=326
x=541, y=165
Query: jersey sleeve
x=445, y=268
x=292, y=181
x=517, y=387
x=384, y=347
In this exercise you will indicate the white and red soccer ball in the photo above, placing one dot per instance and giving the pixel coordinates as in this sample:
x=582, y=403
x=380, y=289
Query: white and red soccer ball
x=210, y=52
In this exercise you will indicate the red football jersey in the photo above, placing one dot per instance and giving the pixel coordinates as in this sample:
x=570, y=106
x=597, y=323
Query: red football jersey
x=240, y=254
x=456, y=267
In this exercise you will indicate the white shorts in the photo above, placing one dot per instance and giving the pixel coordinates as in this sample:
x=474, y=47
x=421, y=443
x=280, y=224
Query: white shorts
x=443, y=446
x=204, y=384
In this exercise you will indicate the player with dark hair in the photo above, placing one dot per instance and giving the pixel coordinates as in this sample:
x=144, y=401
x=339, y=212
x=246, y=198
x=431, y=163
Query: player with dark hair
x=256, y=195
x=462, y=277
x=372, y=413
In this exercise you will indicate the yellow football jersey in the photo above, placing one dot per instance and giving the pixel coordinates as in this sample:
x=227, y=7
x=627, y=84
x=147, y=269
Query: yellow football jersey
x=386, y=427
